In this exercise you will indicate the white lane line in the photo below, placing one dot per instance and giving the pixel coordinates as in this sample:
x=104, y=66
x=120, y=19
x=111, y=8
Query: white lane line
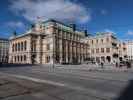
x=35, y=79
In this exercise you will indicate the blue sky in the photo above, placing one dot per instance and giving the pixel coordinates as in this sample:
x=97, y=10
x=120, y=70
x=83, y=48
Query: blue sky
x=95, y=15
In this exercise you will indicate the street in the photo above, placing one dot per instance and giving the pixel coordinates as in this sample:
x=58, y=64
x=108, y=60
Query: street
x=71, y=84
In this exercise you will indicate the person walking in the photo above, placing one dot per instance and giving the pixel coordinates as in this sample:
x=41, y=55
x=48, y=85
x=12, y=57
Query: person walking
x=128, y=64
x=116, y=64
x=102, y=64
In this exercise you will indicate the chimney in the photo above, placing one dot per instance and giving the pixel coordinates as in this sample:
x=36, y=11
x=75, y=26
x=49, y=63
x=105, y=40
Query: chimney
x=73, y=26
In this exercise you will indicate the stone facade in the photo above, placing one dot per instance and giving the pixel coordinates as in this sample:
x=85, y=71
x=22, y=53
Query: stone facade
x=103, y=47
x=129, y=45
x=47, y=43
x=4, y=46
x=122, y=50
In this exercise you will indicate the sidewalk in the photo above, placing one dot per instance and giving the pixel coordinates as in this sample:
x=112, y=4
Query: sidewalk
x=92, y=67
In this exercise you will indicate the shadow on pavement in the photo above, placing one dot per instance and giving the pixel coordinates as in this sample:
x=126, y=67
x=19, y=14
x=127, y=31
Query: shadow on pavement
x=127, y=93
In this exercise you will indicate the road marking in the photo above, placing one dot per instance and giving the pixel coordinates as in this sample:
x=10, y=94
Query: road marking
x=91, y=92
x=81, y=76
x=35, y=79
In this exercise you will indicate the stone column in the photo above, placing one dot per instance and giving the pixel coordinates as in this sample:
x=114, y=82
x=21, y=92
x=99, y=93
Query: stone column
x=66, y=51
x=82, y=52
x=39, y=50
x=70, y=51
x=28, y=50
x=54, y=48
x=60, y=47
x=10, y=52
x=78, y=53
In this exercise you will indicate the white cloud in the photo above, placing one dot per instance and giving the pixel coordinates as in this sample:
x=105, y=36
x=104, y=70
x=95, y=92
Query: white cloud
x=130, y=32
x=58, y=9
x=103, y=12
x=109, y=31
x=14, y=24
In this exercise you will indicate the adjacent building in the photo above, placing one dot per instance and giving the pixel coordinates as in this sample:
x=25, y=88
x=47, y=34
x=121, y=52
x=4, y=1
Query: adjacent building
x=103, y=47
x=130, y=50
x=4, y=46
x=49, y=42
x=122, y=50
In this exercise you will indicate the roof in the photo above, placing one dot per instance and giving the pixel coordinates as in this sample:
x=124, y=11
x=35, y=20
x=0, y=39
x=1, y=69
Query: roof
x=22, y=35
x=102, y=34
x=56, y=21
x=59, y=22
x=49, y=20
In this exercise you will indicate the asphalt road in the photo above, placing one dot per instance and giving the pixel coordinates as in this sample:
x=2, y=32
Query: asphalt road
x=87, y=85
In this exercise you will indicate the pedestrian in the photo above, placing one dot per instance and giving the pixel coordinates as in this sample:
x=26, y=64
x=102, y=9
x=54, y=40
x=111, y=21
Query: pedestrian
x=128, y=64
x=116, y=64
x=102, y=65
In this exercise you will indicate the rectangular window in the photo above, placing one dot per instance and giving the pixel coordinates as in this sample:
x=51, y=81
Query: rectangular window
x=25, y=45
x=124, y=49
x=102, y=50
x=97, y=50
x=107, y=50
x=18, y=58
x=47, y=59
x=16, y=47
x=92, y=41
x=21, y=58
x=13, y=48
x=24, y=57
x=92, y=51
x=33, y=46
x=107, y=39
x=15, y=58
x=101, y=40
x=48, y=46
x=97, y=41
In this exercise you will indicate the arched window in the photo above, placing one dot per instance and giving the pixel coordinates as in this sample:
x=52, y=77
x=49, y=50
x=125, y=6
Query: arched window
x=18, y=58
x=13, y=48
x=25, y=45
x=18, y=46
x=24, y=57
x=101, y=40
x=15, y=58
x=22, y=46
x=21, y=58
